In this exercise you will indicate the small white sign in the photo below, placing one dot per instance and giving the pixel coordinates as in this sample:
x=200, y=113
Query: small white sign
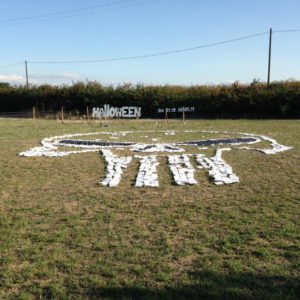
x=175, y=109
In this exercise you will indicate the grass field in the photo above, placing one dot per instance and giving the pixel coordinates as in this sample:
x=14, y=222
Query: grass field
x=63, y=236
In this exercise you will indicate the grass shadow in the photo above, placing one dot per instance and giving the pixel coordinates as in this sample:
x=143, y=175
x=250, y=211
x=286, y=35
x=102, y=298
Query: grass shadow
x=210, y=285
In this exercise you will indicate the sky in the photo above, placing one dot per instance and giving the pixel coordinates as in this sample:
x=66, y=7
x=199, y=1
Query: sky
x=76, y=30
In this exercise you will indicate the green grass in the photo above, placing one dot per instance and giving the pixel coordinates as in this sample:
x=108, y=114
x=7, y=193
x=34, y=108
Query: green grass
x=63, y=236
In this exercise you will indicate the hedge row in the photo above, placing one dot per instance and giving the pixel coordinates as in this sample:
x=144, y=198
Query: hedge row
x=279, y=100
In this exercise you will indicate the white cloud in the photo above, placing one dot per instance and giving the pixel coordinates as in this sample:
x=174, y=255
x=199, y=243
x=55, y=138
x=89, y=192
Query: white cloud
x=69, y=76
x=230, y=81
x=12, y=78
x=63, y=78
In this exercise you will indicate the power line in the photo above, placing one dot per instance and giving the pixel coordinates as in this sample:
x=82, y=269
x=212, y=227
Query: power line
x=75, y=12
x=11, y=65
x=63, y=12
x=151, y=54
x=157, y=53
x=286, y=31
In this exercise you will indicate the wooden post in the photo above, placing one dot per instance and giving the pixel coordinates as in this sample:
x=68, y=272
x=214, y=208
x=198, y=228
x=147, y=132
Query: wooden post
x=166, y=115
x=87, y=114
x=183, y=117
x=62, y=115
x=33, y=115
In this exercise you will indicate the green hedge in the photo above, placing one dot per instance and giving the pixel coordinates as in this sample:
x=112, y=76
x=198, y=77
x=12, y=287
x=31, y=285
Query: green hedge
x=280, y=100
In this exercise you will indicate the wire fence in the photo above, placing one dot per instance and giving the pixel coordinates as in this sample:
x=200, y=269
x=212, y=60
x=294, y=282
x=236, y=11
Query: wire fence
x=17, y=115
x=75, y=115
x=47, y=115
x=80, y=115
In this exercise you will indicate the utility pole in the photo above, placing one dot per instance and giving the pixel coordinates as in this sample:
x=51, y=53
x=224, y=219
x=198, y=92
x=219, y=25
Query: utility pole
x=26, y=70
x=270, y=53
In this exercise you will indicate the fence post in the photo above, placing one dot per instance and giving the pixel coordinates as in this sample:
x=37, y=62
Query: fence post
x=43, y=106
x=62, y=115
x=183, y=117
x=33, y=115
x=87, y=114
x=166, y=115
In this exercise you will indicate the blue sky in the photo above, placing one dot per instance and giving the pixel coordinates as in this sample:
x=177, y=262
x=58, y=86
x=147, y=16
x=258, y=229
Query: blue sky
x=120, y=28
